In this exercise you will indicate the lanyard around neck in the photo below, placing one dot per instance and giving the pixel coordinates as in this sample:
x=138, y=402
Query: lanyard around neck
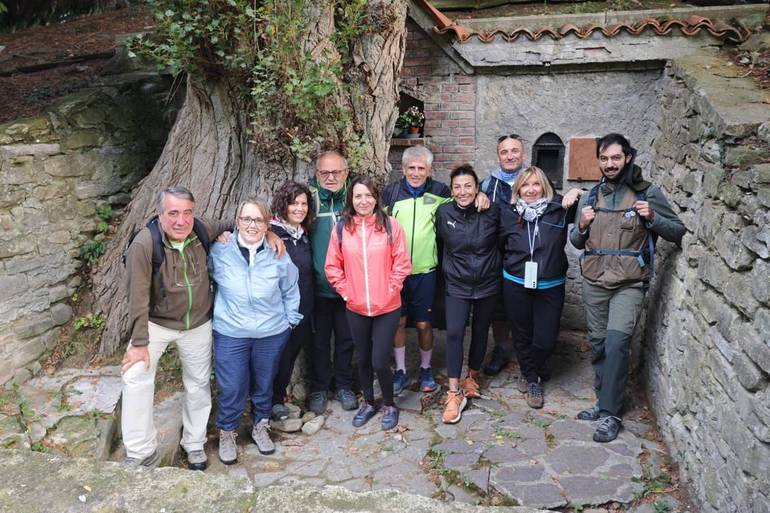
x=531, y=239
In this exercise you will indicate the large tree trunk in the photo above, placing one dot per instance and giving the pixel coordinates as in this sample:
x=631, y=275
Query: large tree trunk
x=208, y=148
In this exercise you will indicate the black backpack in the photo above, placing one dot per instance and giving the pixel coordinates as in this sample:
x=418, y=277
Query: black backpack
x=158, y=254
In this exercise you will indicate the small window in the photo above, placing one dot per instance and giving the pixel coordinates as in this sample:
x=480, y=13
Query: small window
x=548, y=155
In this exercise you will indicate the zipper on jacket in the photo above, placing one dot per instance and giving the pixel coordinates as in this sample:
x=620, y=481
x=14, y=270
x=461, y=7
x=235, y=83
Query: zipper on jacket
x=414, y=223
x=189, y=289
x=366, y=268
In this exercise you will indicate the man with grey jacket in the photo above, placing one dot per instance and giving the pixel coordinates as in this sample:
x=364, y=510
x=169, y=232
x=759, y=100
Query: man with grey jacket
x=617, y=223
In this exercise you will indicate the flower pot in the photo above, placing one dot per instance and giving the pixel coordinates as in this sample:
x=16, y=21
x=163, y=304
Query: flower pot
x=413, y=133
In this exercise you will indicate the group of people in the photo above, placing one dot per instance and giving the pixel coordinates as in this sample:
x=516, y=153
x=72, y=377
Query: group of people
x=341, y=257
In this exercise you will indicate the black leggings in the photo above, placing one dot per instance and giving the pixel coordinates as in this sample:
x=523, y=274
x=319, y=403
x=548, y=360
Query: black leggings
x=373, y=338
x=535, y=315
x=301, y=336
x=457, y=311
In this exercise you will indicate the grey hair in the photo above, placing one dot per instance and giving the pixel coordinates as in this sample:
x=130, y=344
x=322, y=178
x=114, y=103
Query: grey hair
x=259, y=203
x=331, y=153
x=417, y=153
x=178, y=192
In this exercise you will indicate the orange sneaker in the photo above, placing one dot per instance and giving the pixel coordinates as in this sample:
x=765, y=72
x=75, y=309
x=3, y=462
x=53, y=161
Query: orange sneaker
x=471, y=388
x=453, y=411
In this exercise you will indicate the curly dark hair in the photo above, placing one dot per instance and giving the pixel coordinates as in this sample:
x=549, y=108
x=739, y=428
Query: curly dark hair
x=348, y=212
x=285, y=196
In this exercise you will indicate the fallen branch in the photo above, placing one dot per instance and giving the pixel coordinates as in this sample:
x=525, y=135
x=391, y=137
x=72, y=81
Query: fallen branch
x=75, y=59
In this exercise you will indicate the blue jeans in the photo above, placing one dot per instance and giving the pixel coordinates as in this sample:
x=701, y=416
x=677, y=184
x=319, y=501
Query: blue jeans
x=246, y=366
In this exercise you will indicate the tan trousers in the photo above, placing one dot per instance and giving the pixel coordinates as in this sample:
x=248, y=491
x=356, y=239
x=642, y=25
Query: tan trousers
x=194, y=347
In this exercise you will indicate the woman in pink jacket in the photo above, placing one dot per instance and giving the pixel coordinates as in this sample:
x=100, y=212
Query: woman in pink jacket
x=366, y=263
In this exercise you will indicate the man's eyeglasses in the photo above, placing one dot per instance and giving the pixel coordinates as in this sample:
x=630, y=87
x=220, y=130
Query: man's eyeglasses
x=511, y=136
x=336, y=173
x=246, y=221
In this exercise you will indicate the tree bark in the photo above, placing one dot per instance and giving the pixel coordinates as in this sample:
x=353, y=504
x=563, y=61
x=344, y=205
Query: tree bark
x=208, y=148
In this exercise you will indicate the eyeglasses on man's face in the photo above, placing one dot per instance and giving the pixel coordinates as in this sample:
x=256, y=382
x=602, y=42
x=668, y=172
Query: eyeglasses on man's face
x=336, y=173
x=247, y=221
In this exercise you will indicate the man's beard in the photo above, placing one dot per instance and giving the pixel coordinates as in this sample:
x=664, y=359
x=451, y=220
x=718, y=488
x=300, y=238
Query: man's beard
x=610, y=170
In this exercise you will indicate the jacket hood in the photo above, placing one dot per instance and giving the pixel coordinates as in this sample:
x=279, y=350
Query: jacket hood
x=631, y=175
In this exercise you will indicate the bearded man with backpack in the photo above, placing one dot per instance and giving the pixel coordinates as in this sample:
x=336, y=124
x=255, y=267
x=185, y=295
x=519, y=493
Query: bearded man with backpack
x=169, y=301
x=617, y=223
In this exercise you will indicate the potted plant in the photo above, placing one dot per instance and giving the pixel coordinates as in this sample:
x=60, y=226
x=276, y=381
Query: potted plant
x=413, y=120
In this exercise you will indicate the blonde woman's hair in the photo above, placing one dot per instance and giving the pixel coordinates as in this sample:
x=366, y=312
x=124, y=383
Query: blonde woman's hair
x=524, y=175
x=262, y=205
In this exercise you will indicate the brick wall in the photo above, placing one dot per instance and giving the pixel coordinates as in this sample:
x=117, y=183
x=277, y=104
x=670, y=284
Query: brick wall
x=449, y=98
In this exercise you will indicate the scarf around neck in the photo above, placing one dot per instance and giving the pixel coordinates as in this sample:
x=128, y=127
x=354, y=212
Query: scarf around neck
x=531, y=211
x=294, y=233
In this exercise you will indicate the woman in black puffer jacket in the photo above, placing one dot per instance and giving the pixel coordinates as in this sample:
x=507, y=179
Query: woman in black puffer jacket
x=534, y=233
x=471, y=265
x=293, y=214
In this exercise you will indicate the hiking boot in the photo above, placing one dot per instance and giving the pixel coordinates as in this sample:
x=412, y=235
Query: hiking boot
x=364, y=413
x=400, y=382
x=389, y=417
x=591, y=413
x=280, y=412
x=522, y=385
x=496, y=364
x=535, y=395
x=150, y=461
x=228, y=451
x=197, y=460
x=607, y=430
x=260, y=433
x=317, y=403
x=347, y=399
x=427, y=383
x=454, y=406
x=470, y=388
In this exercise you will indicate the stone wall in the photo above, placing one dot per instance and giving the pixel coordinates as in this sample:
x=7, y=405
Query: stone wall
x=89, y=148
x=708, y=330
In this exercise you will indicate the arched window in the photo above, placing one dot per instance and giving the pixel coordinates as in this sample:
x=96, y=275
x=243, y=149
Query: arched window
x=548, y=155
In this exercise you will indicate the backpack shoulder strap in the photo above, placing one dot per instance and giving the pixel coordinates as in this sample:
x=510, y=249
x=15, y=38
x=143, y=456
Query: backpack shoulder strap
x=202, y=233
x=592, y=197
x=158, y=255
x=338, y=227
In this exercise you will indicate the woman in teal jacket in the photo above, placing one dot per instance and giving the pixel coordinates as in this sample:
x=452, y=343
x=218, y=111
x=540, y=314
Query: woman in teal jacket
x=255, y=308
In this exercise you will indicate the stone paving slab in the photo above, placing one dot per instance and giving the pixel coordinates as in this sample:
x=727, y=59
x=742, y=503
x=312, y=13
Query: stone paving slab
x=501, y=447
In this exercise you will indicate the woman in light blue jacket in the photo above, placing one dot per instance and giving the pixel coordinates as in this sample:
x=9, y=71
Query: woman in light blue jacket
x=255, y=308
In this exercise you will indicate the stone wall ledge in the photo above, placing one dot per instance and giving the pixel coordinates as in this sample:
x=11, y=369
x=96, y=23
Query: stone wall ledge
x=38, y=150
x=83, y=485
x=736, y=102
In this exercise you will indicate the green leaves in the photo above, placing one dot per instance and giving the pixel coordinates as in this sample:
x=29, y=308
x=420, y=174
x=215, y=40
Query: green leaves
x=257, y=45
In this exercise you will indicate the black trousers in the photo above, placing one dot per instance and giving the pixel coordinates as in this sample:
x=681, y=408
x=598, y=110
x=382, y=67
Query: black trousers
x=301, y=336
x=329, y=316
x=457, y=311
x=373, y=338
x=535, y=316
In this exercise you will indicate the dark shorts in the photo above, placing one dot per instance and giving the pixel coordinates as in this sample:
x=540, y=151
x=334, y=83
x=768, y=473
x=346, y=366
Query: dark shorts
x=417, y=297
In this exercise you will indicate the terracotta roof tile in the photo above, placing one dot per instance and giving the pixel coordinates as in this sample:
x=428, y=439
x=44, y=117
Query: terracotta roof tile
x=690, y=26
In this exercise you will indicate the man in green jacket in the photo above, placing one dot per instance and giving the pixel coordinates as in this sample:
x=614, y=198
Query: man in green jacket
x=617, y=224
x=413, y=201
x=328, y=189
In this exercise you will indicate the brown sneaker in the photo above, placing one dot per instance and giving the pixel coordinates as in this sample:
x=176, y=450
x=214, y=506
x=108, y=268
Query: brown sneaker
x=535, y=395
x=453, y=411
x=471, y=388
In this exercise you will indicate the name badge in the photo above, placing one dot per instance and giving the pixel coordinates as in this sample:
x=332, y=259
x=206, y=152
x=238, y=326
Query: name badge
x=530, y=275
